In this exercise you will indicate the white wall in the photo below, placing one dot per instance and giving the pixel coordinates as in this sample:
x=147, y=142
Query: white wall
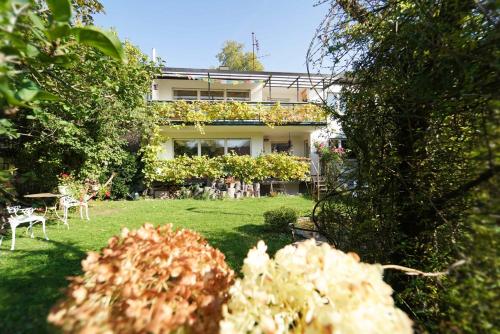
x=257, y=90
x=297, y=134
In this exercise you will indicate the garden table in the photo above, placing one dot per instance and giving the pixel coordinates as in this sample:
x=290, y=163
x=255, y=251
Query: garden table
x=45, y=197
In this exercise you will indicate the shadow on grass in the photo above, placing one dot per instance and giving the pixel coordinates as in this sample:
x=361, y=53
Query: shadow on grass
x=236, y=243
x=26, y=297
x=216, y=211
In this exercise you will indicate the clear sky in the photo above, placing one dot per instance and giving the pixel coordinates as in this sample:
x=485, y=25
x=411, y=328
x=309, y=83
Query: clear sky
x=189, y=33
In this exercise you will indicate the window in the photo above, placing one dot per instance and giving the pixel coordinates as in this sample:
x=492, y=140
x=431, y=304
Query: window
x=187, y=147
x=212, y=95
x=238, y=146
x=185, y=94
x=306, y=148
x=280, y=147
x=212, y=147
x=238, y=95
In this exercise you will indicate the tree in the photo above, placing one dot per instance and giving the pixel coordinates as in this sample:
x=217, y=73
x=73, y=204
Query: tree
x=421, y=115
x=233, y=56
x=38, y=40
x=90, y=109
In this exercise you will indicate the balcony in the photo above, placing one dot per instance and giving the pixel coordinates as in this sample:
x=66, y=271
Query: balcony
x=240, y=112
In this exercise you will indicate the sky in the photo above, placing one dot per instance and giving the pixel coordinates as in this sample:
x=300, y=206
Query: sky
x=189, y=33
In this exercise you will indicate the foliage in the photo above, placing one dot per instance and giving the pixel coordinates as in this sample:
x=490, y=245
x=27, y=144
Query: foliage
x=311, y=289
x=57, y=87
x=233, y=56
x=126, y=178
x=422, y=119
x=245, y=168
x=201, y=113
x=151, y=280
x=281, y=218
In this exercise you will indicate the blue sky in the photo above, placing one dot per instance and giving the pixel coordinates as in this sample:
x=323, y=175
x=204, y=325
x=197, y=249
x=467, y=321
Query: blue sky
x=189, y=33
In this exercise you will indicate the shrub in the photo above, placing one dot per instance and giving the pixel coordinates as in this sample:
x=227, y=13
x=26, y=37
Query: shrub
x=150, y=280
x=311, y=289
x=245, y=168
x=279, y=219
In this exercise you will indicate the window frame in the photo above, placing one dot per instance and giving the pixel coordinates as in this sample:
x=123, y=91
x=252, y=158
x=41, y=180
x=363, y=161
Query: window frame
x=223, y=98
x=199, y=140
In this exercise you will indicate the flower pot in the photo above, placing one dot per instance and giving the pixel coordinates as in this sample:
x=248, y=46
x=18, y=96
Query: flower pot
x=256, y=189
x=63, y=190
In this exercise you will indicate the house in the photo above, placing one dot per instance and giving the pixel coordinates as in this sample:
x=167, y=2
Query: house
x=297, y=97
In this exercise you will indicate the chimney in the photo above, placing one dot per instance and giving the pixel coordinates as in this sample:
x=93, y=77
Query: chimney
x=153, y=54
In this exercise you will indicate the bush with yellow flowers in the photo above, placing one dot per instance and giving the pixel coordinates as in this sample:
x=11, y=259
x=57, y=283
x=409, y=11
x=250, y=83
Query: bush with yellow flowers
x=152, y=280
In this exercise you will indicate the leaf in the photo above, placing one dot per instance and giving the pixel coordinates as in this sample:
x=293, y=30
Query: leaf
x=58, y=31
x=28, y=91
x=106, y=42
x=46, y=96
x=61, y=10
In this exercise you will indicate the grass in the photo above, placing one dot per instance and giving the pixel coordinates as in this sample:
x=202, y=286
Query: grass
x=33, y=276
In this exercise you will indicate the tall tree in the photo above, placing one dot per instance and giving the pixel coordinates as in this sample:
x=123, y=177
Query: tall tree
x=422, y=117
x=233, y=56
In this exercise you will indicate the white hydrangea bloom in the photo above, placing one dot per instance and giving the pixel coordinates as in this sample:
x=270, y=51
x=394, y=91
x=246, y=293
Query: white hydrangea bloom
x=311, y=289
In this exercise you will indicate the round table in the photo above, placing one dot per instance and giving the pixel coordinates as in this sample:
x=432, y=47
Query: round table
x=45, y=197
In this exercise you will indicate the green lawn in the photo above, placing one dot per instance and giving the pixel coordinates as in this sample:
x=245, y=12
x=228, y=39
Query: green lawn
x=32, y=277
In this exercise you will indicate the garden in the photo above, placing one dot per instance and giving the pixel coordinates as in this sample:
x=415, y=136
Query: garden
x=408, y=224
x=33, y=277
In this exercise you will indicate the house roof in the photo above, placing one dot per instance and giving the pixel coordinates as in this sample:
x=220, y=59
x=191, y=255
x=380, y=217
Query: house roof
x=269, y=79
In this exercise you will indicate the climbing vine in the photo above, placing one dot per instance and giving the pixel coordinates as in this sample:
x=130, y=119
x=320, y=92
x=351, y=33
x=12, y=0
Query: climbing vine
x=201, y=113
x=280, y=166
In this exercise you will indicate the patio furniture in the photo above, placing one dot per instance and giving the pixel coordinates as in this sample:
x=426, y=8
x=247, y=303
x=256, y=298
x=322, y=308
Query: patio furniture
x=68, y=202
x=21, y=216
x=46, y=197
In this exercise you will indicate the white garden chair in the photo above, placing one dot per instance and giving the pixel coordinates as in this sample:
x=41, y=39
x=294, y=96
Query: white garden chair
x=20, y=216
x=68, y=202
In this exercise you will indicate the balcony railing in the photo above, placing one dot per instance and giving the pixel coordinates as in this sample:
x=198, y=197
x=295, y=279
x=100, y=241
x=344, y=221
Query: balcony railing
x=247, y=112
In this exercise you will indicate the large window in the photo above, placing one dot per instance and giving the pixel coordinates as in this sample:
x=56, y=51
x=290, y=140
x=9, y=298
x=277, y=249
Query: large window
x=212, y=95
x=238, y=146
x=280, y=147
x=205, y=94
x=211, y=147
x=187, y=147
x=185, y=94
x=238, y=95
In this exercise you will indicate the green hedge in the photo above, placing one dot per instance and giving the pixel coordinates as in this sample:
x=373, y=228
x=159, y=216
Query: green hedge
x=279, y=219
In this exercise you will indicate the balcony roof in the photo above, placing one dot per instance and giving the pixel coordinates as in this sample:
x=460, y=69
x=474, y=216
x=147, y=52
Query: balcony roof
x=269, y=79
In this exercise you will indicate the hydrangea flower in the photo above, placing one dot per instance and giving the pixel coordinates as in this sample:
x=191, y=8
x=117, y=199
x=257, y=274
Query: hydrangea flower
x=311, y=289
x=152, y=280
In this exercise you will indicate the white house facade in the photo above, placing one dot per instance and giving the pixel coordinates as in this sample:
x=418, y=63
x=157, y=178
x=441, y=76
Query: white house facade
x=247, y=136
